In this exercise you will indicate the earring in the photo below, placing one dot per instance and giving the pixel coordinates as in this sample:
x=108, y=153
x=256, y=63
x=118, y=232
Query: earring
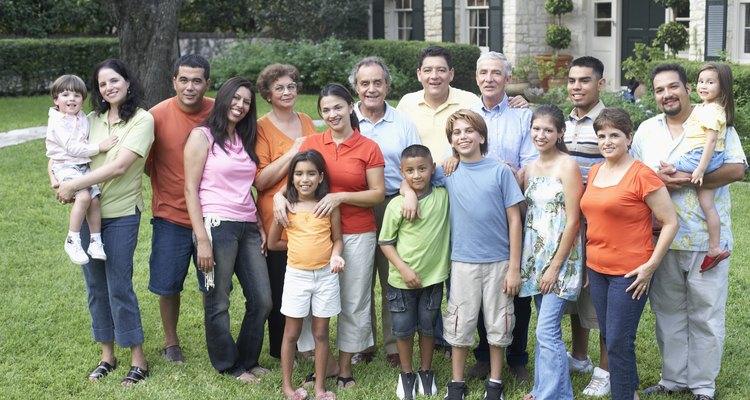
x=560, y=140
x=128, y=92
x=103, y=101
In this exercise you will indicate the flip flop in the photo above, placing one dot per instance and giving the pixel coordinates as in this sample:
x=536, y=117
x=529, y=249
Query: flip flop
x=710, y=262
x=345, y=383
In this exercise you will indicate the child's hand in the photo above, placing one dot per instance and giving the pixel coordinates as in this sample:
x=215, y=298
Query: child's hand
x=108, y=143
x=512, y=283
x=411, y=278
x=337, y=264
x=697, y=177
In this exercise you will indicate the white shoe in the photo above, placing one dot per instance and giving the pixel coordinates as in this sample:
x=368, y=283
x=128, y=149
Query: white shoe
x=582, y=366
x=406, y=387
x=599, y=384
x=96, y=250
x=75, y=251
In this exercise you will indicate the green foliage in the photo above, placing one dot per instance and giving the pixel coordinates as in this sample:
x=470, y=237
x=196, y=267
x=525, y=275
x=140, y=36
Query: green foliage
x=332, y=60
x=28, y=66
x=558, y=7
x=676, y=5
x=217, y=16
x=312, y=19
x=674, y=35
x=637, y=65
x=558, y=37
x=41, y=18
x=522, y=69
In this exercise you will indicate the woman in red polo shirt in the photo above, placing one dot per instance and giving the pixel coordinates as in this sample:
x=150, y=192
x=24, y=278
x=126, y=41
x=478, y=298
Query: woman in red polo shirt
x=355, y=166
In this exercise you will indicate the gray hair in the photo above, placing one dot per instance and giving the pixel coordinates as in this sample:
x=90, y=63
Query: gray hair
x=371, y=60
x=494, y=55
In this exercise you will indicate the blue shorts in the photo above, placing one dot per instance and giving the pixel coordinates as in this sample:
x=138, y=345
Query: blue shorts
x=414, y=310
x=689, y=161
x=171, y=250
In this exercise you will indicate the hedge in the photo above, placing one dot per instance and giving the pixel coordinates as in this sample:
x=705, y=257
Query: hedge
x=29, y=66
x=332, y=60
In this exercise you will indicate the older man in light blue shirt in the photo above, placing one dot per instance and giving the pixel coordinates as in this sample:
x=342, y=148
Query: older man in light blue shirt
x=393, y=132
x=509, y=141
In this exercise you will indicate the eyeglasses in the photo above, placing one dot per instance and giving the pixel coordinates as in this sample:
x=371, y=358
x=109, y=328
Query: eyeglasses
x=292, y=87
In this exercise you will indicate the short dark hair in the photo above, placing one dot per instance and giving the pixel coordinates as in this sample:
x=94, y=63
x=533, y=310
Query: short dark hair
x=667, y=67
x=614, y=117
x=472, y=118
x=589, y=62
x=271, y=74
x=192, y=61
x=416, y=150
x=435, y=51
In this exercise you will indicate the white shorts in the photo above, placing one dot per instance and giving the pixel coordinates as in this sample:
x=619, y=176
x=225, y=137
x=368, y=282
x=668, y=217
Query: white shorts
x=67, y=172
x=317, y=289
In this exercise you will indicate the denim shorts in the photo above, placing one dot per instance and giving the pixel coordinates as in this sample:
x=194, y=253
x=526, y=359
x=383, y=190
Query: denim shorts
x=171, y=250
x=414, y=310
x=689, y=161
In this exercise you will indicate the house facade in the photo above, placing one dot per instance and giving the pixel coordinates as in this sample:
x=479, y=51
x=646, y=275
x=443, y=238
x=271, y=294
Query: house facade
x=606, y=29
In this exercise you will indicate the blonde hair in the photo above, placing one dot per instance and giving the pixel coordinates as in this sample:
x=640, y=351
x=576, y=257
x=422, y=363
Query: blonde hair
x=475, y=120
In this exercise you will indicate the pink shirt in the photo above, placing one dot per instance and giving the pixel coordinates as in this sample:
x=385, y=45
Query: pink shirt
x=226, y=184
x=67, y=138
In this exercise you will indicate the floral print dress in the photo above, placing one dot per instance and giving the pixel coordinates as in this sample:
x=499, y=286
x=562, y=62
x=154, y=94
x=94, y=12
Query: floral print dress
x=545, y=222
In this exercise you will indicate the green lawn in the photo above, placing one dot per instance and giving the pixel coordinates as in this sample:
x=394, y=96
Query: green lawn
x=25, y=112
x=47, y=348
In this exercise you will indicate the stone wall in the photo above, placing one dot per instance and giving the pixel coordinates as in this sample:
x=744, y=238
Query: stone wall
x=206, y=44
x=433, y=20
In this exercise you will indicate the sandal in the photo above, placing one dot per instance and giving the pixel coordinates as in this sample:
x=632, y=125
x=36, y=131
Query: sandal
x=309, y=380
x=174, y=354
x=345, y=383
x=135, y=375
x=102, y=369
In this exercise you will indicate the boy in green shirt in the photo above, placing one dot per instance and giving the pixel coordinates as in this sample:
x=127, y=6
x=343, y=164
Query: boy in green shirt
x=419, y=256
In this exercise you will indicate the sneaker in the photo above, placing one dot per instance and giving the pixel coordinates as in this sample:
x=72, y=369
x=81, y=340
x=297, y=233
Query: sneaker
x=406, y=388
x=75, y=251
x=479, y=370
x=456, y=391
x=493, y=391
x=702, y=397
x=96, y=250
x=426, y=383
x=363, y=358
x=599, y=384
x=582, y=366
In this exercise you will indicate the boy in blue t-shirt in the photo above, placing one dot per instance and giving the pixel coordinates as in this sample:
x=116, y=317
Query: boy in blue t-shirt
x=485, y=222
x=419, y=256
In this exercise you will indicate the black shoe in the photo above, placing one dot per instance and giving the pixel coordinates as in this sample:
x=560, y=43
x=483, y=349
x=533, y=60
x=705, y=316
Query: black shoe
x=657, y=389
x=479, y=370
x=702, y=397
x=406, y=388
x=426, y=384
x=456, y=391
x=493, y=391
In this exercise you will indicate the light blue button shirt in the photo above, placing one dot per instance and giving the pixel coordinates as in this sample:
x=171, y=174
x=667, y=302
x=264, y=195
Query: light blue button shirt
x=509, y=133
x=393, y=133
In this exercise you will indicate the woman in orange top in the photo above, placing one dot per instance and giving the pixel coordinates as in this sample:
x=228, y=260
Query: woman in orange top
x=622, y=196
x=280, y=133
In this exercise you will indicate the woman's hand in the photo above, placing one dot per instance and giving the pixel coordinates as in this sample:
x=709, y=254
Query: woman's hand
x=449, y=165
x=549, y=278
x=280, y=207
x=327, y=204
x=263, y=240
x=642, y=281
x=205, y=256
x=108, y=143
x=297, y=143
x=337, y=264
x=65, y=192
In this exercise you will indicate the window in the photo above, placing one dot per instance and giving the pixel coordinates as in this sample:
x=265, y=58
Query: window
x=403, y=20
x=745, y=34
x=479, y=22
x=603, y=19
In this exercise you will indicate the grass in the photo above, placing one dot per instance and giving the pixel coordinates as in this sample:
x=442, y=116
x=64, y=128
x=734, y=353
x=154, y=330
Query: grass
x=48, y=351
x=26, y=112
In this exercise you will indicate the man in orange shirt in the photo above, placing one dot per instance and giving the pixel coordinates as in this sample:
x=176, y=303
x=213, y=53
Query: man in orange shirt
x=172, y=242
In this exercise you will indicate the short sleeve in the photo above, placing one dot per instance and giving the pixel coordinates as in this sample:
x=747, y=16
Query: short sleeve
x=712, y=116
x=263, y=148
x=391, y=222
x=733, y=153
x=141, y=134
x=511, y=192
x=647, y=181
x=375, y=156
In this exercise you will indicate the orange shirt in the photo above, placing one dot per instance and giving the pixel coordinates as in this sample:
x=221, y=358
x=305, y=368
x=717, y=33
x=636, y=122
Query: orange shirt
x=165, y=163
x=346, y=165
x=309, y=244
x=619, y=233
x=270, y=145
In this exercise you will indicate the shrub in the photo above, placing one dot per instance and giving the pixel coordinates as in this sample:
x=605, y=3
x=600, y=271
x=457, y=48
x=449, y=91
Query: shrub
x=558, y=37
x=29, y=66
x=674, y=35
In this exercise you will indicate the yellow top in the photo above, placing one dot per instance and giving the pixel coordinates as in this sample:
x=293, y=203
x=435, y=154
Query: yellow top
x=309, y=241
x=705, y=116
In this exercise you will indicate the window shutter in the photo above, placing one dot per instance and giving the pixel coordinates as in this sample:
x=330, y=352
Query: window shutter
x=417, y=20
x=496, y=25
x=378, y=19
x=716, y=28
x=449, y=21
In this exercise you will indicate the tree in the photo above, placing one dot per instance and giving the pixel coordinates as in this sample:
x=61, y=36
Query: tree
x=312, y=19
x=147, y=30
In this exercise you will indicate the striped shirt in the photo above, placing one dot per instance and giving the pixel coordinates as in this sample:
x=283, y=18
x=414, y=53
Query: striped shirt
x=580, y=139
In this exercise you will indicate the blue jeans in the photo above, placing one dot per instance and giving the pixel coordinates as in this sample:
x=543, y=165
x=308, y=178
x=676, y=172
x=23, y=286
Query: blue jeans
x=236, y=250
x=618, y=316
x=115, y=315
x=551, y=376
x=414, y=309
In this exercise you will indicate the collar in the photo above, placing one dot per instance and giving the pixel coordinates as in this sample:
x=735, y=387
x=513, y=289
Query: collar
x=498, y=108
x=450, y=100
x=349, y=142
x=387, y=117
x=592, y=114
